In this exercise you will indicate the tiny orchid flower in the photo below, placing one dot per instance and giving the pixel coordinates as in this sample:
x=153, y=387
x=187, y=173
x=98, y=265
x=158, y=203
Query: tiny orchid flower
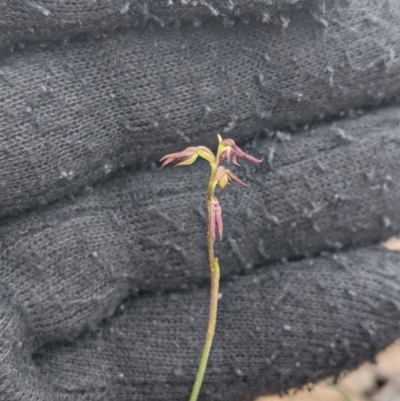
x=215, y=218
x=223, y=176
x=220, y=176
x=189, y=156
x=229, y=150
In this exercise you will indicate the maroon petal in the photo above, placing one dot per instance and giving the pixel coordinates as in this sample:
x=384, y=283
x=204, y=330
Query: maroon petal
x=236, y=179
x=228, y=141
x=178, y=156
x=235, y=160
x=167, y=161
x=187, y=160
x=252, y=158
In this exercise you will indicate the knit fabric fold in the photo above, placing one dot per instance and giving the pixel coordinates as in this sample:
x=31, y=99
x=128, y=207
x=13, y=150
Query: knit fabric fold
x=26, y=20
x=103, y=270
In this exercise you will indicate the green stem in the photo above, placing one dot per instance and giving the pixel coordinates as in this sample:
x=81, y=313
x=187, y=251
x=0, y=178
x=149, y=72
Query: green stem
x=214, y=277
x=210, y=333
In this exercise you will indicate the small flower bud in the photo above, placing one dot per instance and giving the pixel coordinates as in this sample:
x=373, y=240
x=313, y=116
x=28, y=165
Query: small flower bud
x=215, y=218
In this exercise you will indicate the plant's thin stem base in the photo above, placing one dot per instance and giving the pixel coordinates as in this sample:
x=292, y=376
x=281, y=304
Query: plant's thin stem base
x=215, y=273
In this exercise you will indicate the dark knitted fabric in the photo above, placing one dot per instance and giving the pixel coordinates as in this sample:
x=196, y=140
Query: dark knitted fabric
x=50, y=19
x=103, y=268
x=72, y=112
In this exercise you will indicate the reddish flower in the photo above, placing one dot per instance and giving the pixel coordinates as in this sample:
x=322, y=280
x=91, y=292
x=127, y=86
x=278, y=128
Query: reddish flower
x=215, y=218
x=223, y=177
x=230, y=151
x=188, y=156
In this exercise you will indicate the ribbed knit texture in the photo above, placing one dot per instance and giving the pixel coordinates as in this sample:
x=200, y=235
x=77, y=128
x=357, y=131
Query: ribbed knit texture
x=72, y=112
x=103, y=269
x=49, y=19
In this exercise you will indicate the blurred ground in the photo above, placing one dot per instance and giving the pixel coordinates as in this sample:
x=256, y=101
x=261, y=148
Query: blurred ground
x=370, y=382
x=380, y=382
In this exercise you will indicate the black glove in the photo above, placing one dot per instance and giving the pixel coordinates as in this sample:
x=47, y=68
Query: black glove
x=104, y=289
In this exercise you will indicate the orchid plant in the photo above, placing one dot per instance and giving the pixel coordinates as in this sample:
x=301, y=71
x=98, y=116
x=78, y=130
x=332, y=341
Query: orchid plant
x=219, y=176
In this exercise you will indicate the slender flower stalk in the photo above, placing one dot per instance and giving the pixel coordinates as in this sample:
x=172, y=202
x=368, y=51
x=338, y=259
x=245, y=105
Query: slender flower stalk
x=221, y=176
